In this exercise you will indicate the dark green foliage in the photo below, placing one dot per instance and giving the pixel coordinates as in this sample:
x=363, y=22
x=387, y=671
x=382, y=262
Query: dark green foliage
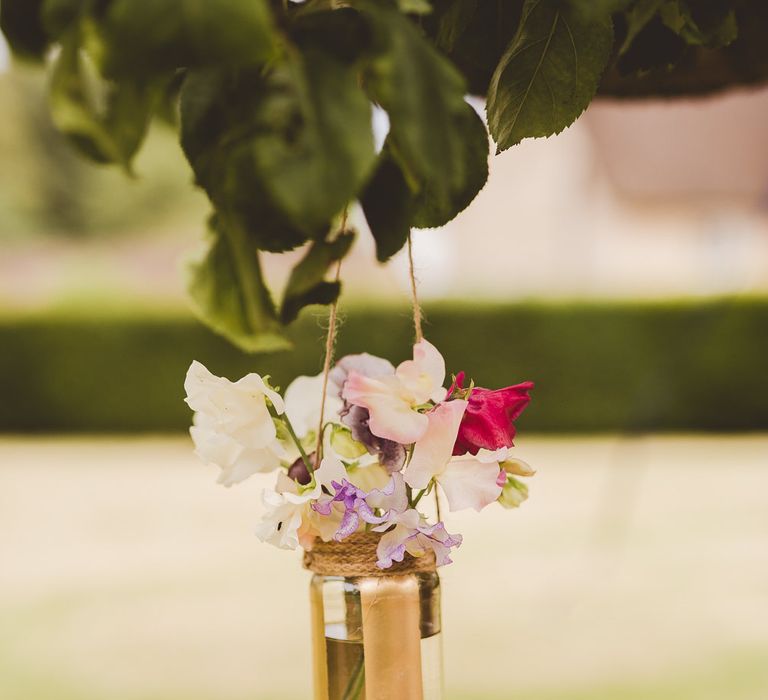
x=307, y=284
x=597, y=367
x=434, y=136
x=474, y=34
x=106, y=121
x=144, y=38
x=228, y=291
x=275, y=103
x=22, y=25
x=387, y=202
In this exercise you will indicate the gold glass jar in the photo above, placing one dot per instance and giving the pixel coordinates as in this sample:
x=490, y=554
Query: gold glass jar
x=377, y=636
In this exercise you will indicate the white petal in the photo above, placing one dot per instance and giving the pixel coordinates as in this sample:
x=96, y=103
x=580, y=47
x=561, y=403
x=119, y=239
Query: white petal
x=198, y=384
x=424, y=375
x=250, y=461
x=470, y=483
x=281, y=522
x=432, y=452
x=215, y=448
x=302, y=404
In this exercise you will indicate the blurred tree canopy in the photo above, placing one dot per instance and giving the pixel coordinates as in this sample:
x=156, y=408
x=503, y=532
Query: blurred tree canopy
x=273, y=100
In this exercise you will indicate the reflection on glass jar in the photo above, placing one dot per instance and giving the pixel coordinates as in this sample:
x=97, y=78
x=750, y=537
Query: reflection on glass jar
x=377, y=637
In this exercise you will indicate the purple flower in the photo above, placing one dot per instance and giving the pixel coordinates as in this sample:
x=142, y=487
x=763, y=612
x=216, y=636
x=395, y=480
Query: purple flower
x=359, y=505
x=412, y=534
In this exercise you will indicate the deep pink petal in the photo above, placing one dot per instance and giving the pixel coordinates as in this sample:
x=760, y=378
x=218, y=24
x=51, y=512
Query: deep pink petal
x=488, y=422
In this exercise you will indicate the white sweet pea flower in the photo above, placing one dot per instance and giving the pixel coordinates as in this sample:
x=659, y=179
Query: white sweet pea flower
x=232, y=425
x=392, y=400
x=290, y=520
x=302, y=404
x=468, y=481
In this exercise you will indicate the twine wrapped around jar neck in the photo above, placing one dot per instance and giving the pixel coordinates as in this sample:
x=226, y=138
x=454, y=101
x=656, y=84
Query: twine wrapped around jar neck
x=356, y=556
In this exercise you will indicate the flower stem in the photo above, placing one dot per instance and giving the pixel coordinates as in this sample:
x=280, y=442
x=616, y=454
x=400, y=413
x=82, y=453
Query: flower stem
x=355, y=687
x=418, y=497
x=304, y=457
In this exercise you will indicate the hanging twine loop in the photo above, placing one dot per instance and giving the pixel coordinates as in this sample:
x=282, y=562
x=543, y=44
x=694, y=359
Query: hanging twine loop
x=356, y=556
x=418, y=317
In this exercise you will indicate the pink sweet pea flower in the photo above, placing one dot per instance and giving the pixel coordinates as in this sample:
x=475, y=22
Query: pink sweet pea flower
x=392, y=400
x=468, y=482
x=488, y=422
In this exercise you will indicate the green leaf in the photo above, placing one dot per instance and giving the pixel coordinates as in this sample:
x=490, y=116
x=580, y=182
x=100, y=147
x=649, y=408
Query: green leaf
x=144, y=38
x=228, y=292
x=344, y=33
x=638, y=17
x=474, y=35
x=21, y=24
x=453, y=21
x=388, y=205
x=549, y=73
x=307, y=284
x=296, y=140
x=106, y=121
x=218, y=116
x=438, y=202
x=430, y=122
x=315, y=149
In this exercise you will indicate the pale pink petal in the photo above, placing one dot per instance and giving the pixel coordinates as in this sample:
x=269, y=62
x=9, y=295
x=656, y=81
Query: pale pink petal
x=364, y=363
x=424, y=375
x=432, y=453
x=391, y=416
x=391, y=498
x=470, y=483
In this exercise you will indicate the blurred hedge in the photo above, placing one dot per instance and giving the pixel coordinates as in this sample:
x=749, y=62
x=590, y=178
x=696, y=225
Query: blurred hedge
x=671, y=366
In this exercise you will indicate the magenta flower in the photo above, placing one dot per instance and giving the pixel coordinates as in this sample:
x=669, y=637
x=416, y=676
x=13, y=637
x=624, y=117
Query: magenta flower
x=488, y=422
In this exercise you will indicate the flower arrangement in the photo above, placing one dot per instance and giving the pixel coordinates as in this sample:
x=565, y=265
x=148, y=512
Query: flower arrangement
x=360, y=448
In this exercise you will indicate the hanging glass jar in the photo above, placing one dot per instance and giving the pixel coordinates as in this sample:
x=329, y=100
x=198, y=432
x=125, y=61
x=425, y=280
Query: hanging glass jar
x=375, y=633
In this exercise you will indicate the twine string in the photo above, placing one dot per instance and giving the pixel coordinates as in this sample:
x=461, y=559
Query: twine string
x=356, y=556
x=418, y=316
x=330, y=343
x=415, y=306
